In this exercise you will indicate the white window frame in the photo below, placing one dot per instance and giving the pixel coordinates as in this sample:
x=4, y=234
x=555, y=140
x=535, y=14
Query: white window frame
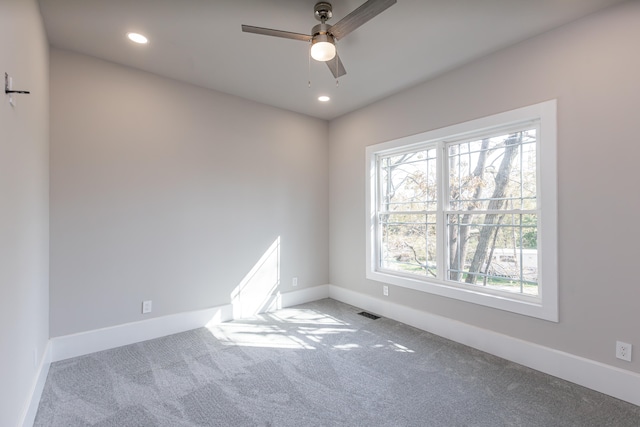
x=545, y=304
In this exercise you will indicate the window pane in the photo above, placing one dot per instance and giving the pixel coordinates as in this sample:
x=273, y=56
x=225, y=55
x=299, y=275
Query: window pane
x=408, y=182
x=409, y=243
x=498, y=251
x=493, y=173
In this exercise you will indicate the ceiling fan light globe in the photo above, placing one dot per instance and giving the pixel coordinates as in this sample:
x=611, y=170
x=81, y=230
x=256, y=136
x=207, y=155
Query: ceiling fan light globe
x=323, y=51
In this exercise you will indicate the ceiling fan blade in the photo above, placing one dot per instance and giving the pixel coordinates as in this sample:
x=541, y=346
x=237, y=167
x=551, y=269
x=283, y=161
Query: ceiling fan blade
x=362, y=14
x=336, y=67
x=275, y=33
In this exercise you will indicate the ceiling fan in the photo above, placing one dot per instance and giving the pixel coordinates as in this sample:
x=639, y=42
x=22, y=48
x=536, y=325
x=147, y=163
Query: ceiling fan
x=323, y=36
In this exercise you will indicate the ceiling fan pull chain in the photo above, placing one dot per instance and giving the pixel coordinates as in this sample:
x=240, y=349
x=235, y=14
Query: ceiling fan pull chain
x=309, y=69
x=335, y=43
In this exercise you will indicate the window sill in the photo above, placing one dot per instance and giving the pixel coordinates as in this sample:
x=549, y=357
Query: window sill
x=536, y=307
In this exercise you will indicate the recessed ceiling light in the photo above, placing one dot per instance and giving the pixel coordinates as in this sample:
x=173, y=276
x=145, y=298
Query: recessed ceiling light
x=323, y=98
x=137, y=38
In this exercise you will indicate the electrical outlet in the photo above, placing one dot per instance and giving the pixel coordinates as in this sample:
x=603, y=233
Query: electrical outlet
x=623, y=350
x=385, y=290
x=146, y=307
x=295, y=281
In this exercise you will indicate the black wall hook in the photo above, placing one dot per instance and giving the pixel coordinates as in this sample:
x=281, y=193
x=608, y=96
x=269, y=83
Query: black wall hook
x=6, y=86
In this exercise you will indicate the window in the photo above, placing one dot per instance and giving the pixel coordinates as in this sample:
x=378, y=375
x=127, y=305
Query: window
x=469, y=211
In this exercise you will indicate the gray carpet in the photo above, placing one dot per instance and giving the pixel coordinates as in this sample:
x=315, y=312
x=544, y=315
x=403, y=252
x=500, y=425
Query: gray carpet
x=318, y=364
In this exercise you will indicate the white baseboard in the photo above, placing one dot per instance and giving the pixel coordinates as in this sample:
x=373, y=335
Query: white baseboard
x=82, y=343
x=616, y=382
x=305, y=295
x=31, y=409
x=79, y=344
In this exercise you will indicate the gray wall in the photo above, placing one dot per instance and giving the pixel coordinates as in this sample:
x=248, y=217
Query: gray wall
x=593, y=68
x=169, y=192
x=24, y=210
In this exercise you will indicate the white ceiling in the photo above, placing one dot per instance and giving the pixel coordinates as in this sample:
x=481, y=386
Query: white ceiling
x=200, y=41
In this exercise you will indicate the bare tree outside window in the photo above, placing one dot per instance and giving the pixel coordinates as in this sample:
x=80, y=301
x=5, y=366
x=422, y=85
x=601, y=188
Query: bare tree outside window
x=492, y=223
x=409, y=202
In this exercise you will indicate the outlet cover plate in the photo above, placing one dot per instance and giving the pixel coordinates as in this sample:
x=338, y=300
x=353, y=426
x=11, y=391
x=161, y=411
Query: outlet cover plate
x=146, y=307
x=623, y=350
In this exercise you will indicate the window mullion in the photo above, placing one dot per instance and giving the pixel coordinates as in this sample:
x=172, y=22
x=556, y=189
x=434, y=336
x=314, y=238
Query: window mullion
x=378, y=226
x=442, y=173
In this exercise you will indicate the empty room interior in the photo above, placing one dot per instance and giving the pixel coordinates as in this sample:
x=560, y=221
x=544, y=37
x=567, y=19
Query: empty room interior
x=188, y=233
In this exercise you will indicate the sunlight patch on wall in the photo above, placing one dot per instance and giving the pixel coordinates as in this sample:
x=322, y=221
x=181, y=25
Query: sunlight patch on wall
x=256, y=293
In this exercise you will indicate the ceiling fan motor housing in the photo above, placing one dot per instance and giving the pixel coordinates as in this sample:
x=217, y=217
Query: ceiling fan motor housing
x=321, y=33
x=321, y=29
x=322, y=43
